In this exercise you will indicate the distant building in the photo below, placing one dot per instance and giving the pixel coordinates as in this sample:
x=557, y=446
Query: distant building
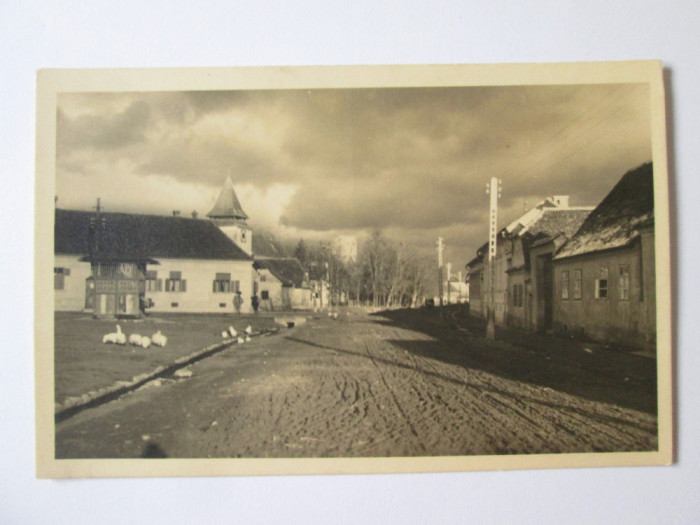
x=279, y=281
x=282, y=284
x=519, y=280
x=604, y=276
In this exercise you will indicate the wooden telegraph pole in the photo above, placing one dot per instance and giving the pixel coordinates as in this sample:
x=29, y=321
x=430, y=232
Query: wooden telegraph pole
x=449, y=276
x=440, y=248
x=494, y=191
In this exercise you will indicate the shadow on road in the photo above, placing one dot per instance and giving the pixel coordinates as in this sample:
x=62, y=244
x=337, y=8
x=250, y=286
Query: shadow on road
x=581, y=369
x=432, y=349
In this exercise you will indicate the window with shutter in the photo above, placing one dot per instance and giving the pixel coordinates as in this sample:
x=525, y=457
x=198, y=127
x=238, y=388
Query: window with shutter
x=175, y=283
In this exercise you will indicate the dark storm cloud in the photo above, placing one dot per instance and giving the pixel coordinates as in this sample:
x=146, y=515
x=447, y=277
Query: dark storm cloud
x=410, y=159
x=210, y=161
x=422, y=155
x=353, y=204
x=104, y=132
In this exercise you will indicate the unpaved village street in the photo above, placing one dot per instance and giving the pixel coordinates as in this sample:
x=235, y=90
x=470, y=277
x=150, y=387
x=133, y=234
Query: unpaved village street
x=417, y=383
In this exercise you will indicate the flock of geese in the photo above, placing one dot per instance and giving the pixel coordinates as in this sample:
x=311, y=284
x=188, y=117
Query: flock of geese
x=233, y=334
x=158, y=339
x=119, y=338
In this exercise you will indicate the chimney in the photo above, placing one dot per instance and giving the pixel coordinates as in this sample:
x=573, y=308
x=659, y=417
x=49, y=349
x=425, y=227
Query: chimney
x=562, y=201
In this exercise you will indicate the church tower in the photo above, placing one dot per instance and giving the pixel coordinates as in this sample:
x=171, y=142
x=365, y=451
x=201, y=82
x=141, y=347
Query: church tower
x=229, y=216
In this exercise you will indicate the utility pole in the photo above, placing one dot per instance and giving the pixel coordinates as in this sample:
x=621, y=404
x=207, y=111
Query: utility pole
x=449, y=276
x=440, y=248
x=97, y=225
x=493, y=189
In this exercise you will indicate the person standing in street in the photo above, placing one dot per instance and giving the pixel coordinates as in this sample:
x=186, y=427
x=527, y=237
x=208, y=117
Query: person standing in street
x=237, y=302
x=255, y=302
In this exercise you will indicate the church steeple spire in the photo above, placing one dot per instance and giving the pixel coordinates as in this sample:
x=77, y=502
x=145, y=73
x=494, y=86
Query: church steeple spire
x=230, y=218
x=227, y=205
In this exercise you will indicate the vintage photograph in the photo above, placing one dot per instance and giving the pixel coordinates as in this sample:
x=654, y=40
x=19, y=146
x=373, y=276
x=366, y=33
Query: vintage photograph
x=352, y=269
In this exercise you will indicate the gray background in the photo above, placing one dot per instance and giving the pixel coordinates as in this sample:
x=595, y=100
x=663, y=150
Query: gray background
x=207, y=33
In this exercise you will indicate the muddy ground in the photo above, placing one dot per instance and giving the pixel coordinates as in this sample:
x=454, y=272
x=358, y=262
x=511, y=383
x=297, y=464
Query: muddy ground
x=405, y=383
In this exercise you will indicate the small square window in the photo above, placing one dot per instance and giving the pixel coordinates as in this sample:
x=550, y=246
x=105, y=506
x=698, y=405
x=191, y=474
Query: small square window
x=601, y=284
x=601, y=289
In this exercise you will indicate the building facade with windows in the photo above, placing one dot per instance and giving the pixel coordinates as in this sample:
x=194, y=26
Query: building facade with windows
x=282, y=284
x=519, y=281
x=109, y=263
x=604, y=276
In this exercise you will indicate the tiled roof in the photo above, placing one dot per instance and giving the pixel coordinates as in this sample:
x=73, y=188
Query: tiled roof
x=127, y=236
x=556, y=221
x=617, y=219
x=288, y=270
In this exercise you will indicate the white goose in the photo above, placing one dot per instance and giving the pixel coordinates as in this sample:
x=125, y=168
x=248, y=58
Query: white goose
x=116, y=338
x=121, y=336
x=159, y=339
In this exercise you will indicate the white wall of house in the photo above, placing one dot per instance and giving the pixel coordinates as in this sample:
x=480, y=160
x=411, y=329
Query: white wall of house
x=269, y=291
x=280, y=297
x=199, y=294
x=70, y=295
x=241, y=235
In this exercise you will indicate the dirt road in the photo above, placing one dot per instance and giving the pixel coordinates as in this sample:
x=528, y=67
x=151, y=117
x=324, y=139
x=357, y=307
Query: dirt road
x=371, y=386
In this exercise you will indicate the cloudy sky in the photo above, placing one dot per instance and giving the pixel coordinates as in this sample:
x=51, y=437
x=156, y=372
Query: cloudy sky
x=413, y=162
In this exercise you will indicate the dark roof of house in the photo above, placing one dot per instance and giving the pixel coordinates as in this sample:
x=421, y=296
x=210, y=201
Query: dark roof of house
x=553, y=223
x=616, y=221
x=126, y=236
x=288, y=270
x=227, y=205
x=557, y=221
x=265, y=245
x=474, y=262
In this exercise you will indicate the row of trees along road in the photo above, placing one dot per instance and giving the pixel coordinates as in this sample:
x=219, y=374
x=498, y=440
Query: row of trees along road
x=385, y=273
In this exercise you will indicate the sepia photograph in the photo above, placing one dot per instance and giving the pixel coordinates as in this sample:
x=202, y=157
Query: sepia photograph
x=309, y=270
